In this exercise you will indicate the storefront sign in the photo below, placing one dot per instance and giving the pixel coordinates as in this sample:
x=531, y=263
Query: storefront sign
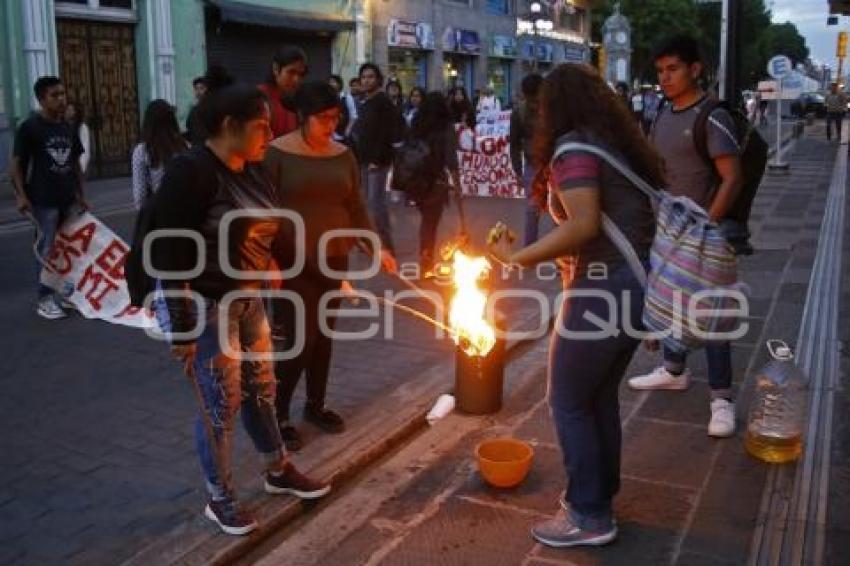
x=543, y=52
x=575, y=53
x=485, y=157
x=418, y=35
x=503, y=46
x=86, y=267
x=461, y=40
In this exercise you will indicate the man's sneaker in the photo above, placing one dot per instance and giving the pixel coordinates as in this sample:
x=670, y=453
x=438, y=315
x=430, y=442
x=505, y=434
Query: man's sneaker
x=47, y=308
x=722, y=423
x=230, y=516
x=561, y=532
x=291, y=438
x=325, y=419
x=293, y=482
x=660, y=378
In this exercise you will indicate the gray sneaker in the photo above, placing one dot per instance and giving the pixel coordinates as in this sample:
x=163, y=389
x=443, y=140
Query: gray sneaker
x=561, y=532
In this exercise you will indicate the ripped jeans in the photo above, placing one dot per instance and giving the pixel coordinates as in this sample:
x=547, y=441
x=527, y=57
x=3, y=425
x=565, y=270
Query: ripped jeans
x=228, y=384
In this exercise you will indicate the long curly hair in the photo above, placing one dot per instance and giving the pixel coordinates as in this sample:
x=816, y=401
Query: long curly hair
x=574, y=97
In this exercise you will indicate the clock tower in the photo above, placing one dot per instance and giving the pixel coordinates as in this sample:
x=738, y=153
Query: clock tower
x=617, y=39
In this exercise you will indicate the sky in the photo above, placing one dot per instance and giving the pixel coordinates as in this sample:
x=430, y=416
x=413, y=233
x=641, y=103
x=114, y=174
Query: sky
x=810, y=18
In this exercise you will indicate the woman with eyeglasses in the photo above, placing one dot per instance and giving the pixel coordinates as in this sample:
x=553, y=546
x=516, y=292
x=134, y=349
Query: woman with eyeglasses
x=319, y=179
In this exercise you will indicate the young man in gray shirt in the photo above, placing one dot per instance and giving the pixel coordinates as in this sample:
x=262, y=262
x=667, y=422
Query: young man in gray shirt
x=714, y=186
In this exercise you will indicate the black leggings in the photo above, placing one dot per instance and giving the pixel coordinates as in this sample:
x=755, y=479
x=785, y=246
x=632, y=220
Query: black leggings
x=431, y=211
x=315, y=357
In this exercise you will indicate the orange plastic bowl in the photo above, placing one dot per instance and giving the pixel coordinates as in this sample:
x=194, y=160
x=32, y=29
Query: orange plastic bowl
x=504, y=462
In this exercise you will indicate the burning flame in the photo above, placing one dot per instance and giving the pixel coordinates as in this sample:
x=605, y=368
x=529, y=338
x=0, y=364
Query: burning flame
x=472, y=333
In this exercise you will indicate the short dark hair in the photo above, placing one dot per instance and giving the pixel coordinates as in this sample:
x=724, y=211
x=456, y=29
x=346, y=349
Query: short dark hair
x=199, y=81
x=531, y=85
x=373, y=67
x=286, y=55
x=241, y=102
x=684, y=47
x=313, y=98
x=43, y=84
x=353, y=81
x=337, y=79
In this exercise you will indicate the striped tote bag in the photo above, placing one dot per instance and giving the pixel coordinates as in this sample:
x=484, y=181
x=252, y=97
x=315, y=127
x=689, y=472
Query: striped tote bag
x=692, y=292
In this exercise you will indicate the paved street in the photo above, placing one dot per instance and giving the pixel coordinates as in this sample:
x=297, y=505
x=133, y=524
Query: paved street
x=686, y=499
x=101, y=469
x=101, y=463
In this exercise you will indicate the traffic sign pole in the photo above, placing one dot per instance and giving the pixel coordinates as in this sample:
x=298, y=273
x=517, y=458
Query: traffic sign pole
x=779, y=67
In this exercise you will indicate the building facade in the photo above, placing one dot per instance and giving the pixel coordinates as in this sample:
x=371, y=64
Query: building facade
x=115, y=56
x=475, y=44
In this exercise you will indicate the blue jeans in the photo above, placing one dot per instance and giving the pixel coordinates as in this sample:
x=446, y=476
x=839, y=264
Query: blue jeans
x=49, y=219
x=719, y=358
x=373, y=183
x=532, y=211
x=229, y=383
x=584, y=379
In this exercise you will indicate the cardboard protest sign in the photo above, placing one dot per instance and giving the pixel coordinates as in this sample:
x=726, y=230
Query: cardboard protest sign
x=485, y=159
x=85, y=266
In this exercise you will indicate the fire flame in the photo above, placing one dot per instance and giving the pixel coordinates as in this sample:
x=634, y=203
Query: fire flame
x=472, y=333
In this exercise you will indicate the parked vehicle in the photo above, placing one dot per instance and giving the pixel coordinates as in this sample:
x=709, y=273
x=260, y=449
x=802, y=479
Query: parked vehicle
x=809, y=103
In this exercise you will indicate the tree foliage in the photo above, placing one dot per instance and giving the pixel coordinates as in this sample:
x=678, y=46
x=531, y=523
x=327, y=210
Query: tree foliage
x=654, y=20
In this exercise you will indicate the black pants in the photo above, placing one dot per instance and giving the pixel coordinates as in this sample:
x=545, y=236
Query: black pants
x=315, y=357
x=834, y=118
x=431, y=211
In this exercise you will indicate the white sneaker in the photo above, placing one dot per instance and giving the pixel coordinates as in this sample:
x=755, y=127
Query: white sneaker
x=47, y=308
x=722, y=424
x=660, y=378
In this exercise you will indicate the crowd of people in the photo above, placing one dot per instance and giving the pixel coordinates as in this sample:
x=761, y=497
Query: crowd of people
x=326, y=152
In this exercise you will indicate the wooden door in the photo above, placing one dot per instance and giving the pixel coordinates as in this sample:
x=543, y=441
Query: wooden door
x=98, y=66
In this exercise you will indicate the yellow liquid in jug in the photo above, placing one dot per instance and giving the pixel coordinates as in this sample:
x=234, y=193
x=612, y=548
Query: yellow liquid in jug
x=773, y=449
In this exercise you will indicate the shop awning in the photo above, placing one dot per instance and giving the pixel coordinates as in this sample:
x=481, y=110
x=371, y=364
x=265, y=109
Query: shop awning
x=233, y=11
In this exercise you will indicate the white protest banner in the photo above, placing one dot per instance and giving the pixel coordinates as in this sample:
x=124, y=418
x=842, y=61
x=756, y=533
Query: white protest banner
x=485, y=159
x=85, y=266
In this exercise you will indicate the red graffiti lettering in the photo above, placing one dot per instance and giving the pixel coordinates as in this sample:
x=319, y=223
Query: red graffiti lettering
x=84, y=235
x=62, y=252
x=111, y=260
x=100, y=287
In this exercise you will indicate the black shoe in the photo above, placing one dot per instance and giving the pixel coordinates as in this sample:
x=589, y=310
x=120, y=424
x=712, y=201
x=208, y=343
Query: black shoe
x=325, y=419
x=291, y=438
x=230, y=516
x=293, y=482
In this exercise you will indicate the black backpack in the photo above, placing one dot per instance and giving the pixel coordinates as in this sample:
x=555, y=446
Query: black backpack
x=412, y=168
x=754, y=150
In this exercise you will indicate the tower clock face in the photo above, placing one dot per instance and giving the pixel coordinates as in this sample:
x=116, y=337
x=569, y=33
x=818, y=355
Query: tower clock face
x=621, y=37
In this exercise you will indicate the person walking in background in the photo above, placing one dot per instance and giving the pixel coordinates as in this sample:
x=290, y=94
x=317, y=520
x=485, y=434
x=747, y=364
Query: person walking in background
x=161, y=141
x=584, y=375
x=433, y=125
x=622, y=90
x=414, y=101
x=378, y=131
x=395, y=95
x=651, y=105
x=194, y=130
x=348, y=110
x=199, y=190
x=461, y=108
x=712, y=186
x=488, y=102
x=319, y=179
x=836, y=108
x=288, y=69
x=523, y=129
x=75, y=114
x=46, y=175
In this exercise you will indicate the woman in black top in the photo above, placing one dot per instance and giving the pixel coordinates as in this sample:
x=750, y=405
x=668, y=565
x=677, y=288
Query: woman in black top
x=433, y=125
x=461, y=108
x=219, y=183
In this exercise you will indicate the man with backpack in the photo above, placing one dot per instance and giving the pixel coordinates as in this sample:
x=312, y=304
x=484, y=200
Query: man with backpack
x=712, y=183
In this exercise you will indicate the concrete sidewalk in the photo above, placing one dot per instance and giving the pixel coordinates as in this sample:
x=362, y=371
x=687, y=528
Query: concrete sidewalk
x=686, y=498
